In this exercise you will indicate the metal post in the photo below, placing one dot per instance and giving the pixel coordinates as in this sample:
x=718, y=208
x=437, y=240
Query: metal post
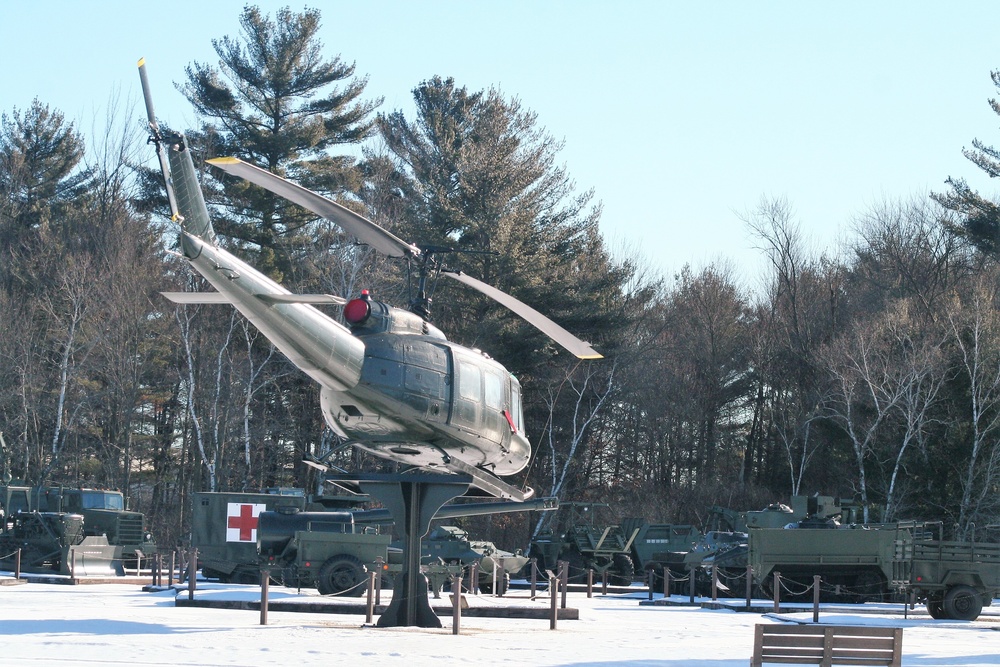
x=666, y=582
x=378, y=581
x=265, y=581
x=497, y=566
x=17, y=564
x=456, y=604
x=170, y=574
x=192, y=573
x=564, y=582
x=370, y=608
x=650, y=582
x=691, y=585
x=777, y=591
x=474, y=578
x=553, y=610
x=590, y=583
x=715, y=583
x=749, y=585
x=816, y=579
x=534, y=577
x=604, y=582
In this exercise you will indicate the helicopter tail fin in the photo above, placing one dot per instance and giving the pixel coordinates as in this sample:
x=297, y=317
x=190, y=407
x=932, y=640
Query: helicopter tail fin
x=187, y=205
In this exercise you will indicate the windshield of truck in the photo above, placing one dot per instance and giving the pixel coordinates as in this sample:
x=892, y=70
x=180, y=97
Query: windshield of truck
x=102, y=500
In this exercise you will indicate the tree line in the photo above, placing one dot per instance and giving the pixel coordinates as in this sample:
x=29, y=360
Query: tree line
x=870, y=371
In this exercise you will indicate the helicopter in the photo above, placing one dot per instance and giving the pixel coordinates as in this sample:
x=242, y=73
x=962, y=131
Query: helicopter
x=391, y=383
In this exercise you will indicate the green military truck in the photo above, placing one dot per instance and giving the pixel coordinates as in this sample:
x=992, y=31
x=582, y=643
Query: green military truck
x=103, y=513
x=954, y=579
x=322, y=549
x=224, y=527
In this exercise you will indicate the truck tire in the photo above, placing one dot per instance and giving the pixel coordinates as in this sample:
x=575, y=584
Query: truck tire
x=341, y=575
x=936, y=609
x=963, y=603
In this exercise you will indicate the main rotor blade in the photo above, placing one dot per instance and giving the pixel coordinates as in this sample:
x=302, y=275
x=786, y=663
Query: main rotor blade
x=356, y=225
x=576, y=346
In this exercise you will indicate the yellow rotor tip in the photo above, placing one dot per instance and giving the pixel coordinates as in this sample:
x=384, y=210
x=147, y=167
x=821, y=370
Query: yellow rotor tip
x=223, y=160
x=142, y=61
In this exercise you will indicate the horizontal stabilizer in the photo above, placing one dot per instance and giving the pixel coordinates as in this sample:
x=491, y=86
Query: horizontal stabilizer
x=196, y=297
x=219, y=297
x=303, y=298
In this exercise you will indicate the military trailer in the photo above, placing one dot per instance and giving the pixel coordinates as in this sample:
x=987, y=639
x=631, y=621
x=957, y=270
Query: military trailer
x=103, y=513
x=954, y=579
x=584, y=545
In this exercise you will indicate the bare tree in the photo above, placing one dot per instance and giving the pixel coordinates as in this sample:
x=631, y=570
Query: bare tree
x=975, y=326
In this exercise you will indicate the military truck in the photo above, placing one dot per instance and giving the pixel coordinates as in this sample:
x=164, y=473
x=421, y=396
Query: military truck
x=322, y=549
x=103, y=513
x=954, y=579
x=56, y=542
x=224, y=527
x=584, y=545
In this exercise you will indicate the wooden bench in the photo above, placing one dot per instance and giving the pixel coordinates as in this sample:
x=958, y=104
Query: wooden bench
x=827, y=645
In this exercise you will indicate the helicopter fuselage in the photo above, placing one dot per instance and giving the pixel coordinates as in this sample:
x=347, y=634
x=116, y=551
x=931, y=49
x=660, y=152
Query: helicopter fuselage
x=391, y=384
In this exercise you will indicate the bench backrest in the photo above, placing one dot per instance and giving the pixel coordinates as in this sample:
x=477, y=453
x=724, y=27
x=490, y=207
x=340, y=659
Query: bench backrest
x=827, y=645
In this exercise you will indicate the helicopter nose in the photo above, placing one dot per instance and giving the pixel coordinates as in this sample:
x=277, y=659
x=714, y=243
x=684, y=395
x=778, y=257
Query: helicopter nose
x=357, y=310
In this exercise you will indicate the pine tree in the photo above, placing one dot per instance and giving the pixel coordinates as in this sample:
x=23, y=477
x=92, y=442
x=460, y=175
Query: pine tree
x=270, y=102
x=980, y=217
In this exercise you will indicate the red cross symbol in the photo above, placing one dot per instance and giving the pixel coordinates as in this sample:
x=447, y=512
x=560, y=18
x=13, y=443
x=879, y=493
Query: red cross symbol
x=245, y=522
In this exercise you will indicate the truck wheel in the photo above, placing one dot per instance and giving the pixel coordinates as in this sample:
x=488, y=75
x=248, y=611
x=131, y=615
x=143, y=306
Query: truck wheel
x=963, y=603
x=935, y=609
x=624, y=570
x=341, y=575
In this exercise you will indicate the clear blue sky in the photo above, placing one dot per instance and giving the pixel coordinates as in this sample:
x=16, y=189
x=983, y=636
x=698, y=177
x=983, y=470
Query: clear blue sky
x=681, y=115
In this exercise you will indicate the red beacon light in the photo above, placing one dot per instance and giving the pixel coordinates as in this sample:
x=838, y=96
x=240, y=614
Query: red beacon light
x=357, y=310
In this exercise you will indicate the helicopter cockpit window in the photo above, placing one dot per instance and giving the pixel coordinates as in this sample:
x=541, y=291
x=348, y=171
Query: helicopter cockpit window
x=470, y=382
x=494, y=390
x=515, y=406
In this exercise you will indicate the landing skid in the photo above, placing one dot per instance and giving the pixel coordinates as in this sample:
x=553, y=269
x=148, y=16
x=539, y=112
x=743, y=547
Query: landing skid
x=491, y=484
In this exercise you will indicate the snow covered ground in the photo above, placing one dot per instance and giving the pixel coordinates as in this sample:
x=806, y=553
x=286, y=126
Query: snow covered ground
x=46, y=624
